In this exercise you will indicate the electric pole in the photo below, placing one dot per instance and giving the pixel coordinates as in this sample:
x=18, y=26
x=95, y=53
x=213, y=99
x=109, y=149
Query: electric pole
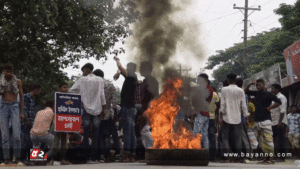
x=246, y=8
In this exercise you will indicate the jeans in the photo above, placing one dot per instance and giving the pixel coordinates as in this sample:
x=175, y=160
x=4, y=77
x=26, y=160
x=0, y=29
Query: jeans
x=26, y=143
x=108, y=128
x=128, y=116
x=234, y=130
x=47, y=140
x=91, y=152
x=212, y=139
x=279, y=139
x=201, y=126
x=10, y=111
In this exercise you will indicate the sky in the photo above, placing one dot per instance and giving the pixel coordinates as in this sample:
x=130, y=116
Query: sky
x=220, y=27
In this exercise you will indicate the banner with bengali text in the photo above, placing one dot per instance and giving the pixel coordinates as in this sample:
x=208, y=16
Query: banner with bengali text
x=67, y=112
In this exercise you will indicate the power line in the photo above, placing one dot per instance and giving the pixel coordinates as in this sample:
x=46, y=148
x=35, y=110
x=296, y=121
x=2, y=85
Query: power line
x=246, y=8
x=230, y=31
x=274, y=13
x=265, y=18
x=218, y=20
x=252, y=26
x=256, y=24
x=239, y=35
x=267, y=25
x=254, y=3
x=291, y=13
x=269, y=2
x=202, y=10
x=274, y=46
x=206, y=10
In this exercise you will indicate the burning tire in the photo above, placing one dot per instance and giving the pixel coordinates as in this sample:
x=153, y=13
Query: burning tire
x=185, y=157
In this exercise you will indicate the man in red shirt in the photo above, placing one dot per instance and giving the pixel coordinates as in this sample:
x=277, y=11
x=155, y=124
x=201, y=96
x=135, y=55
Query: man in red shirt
x=201, y=98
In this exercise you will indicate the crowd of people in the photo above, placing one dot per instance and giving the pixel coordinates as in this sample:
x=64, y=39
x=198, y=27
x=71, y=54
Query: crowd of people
x=234, y=120
x=256, y=125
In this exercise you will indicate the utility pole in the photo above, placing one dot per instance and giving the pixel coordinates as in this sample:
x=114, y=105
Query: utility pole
x=183, y=70
x=246, y=8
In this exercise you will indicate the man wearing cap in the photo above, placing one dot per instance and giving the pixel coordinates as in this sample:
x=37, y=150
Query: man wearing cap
x=91, y=89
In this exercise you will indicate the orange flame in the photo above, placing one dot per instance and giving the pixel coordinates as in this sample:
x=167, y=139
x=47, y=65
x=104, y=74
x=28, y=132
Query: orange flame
x=162, y=113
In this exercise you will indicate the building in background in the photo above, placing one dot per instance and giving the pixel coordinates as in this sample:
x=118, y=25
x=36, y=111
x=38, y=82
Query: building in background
x=291, y=84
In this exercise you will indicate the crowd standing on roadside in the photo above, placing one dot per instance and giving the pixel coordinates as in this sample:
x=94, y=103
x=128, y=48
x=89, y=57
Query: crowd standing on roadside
x=234, y=120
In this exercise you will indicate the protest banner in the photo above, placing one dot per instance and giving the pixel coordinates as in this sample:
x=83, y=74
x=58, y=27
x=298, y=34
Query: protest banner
x=67, y=112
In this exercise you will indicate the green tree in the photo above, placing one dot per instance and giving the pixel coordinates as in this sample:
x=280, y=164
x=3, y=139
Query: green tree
x=290, y=19
x=40, y=37
x=264, y=50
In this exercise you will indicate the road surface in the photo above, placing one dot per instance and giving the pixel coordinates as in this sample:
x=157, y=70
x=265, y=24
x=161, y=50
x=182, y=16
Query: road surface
x=286, y=165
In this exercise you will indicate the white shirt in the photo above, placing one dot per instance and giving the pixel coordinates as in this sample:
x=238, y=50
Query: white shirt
x=233, y=101
x=275, y=113
x=91, y=89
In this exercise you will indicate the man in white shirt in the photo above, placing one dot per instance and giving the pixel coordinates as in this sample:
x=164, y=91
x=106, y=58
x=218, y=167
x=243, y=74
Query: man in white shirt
x=232, y=100
x=245, y=139
x=91, y=89
x=279, y=122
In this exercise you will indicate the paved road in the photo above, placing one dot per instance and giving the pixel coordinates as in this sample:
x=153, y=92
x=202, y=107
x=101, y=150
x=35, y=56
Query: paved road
x=288, y=164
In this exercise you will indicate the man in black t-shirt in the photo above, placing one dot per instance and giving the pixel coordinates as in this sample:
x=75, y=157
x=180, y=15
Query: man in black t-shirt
x=262, y=117
x=128, y=111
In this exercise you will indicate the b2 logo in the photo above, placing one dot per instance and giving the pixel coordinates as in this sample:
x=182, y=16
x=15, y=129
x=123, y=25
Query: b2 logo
x=37, y=155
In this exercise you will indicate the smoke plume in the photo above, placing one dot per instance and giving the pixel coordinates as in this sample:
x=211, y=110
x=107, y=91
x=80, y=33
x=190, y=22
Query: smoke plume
x=162, y=33
x=167, y=37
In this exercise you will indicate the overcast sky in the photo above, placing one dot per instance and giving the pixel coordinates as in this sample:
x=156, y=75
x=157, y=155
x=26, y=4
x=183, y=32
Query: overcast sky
x=220, y=27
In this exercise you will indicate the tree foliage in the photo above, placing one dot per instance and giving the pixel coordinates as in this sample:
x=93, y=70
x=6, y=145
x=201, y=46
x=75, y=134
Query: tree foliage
x=40, y=37
x=290, y=18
